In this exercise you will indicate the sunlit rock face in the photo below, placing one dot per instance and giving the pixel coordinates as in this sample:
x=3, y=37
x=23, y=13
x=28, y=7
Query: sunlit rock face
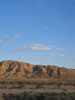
x=14, y=69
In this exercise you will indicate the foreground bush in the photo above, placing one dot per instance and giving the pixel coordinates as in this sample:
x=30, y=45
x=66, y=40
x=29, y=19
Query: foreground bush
x=41, y=96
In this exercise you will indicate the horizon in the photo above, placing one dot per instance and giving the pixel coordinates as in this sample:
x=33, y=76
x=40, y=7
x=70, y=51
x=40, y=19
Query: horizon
x=39, y=32
x=38, y=64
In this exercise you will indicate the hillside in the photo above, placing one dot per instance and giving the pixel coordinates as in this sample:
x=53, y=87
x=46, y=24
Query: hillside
x=15, y=69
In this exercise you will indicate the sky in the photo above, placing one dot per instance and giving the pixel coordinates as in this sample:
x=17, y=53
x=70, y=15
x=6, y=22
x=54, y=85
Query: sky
x=38, y=31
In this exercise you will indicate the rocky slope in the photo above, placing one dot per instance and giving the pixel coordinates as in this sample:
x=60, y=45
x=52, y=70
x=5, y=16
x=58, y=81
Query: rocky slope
x=15, y=69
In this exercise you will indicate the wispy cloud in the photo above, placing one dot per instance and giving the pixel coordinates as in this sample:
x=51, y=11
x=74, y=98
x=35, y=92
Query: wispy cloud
x=28, y=58
x=60, y=48
x=17, y=36
x=6, y=43
x=62, y=55
x=1, y=41
x=71, y=56
x=52, y=54
x=9, y=38
x=21, y=49
x=36, y=47
x=40, y=47
x=6, y=38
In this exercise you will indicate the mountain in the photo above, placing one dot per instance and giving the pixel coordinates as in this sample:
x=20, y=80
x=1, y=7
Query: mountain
x=14, y=69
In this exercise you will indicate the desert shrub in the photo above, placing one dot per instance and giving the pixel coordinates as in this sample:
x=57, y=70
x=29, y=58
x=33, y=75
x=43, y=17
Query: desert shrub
x=59, y=85
x=38, y=85
x=41, y=96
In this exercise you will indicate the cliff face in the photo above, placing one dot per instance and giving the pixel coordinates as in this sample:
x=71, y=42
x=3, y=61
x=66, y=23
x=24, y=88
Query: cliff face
x=15, y=69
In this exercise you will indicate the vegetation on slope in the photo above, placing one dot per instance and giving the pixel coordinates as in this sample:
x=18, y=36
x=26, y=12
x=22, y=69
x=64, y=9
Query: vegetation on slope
x=42, y=96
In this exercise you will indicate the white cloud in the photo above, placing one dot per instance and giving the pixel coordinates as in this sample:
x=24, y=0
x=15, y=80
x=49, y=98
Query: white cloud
x=35, y=48
x=62, y=55
x=40, y=47
x=46, y=48
x=52, y=54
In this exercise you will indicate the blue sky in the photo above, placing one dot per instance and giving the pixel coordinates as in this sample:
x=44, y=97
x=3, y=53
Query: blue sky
x=38, y=31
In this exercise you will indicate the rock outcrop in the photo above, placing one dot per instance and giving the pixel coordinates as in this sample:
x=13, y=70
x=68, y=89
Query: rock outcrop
x=14, y=69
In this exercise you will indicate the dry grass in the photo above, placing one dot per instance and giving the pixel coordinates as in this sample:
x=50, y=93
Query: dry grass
x=36, y=86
